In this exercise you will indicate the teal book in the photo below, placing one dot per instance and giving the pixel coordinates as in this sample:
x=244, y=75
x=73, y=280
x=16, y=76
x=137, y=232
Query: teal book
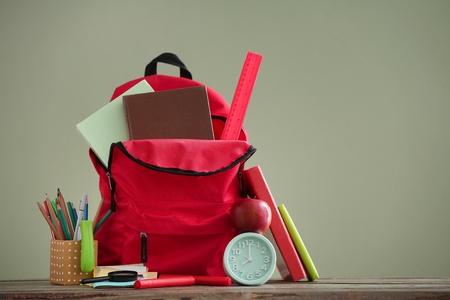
x=108, y=124
x=311, y=271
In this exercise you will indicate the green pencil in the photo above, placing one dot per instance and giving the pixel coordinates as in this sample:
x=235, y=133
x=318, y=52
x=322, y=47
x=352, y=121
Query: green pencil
x=102, y=221
x=54, y=207
x=70, y=210
x=63, y=223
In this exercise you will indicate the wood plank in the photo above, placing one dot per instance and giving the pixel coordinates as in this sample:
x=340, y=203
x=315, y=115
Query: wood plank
x=323, y=288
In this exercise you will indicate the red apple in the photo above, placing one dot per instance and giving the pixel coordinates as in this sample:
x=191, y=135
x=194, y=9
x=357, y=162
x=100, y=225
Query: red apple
x=250, y=215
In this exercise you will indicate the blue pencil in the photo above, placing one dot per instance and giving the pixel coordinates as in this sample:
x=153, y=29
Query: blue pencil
x=75, y=214
x=86, y=211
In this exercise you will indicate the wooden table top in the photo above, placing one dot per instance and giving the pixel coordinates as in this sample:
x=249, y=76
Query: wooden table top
x=326, y=288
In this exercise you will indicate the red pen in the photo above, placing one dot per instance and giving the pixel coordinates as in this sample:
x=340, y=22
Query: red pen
x=205, y=280
x=164, y=282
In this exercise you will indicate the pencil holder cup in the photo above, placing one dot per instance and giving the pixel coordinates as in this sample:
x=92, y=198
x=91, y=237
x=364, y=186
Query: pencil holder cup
x=65, y=257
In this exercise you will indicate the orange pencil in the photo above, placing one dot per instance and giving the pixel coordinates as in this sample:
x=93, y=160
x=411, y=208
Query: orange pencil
x=50, y=202
x=55, y=220
x=47, y=218
x=63, y=205
x=97, y=214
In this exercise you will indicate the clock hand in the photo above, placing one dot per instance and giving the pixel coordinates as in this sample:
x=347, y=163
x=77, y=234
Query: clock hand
x=244, y=262
x=249, y=258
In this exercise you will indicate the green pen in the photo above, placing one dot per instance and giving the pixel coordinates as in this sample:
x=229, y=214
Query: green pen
x=87, y=247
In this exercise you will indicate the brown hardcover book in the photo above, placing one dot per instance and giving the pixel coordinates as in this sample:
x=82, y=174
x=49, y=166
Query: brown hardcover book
x=171, y=114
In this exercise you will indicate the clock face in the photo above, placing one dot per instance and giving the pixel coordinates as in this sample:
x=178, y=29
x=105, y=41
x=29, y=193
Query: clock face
x=249, y=259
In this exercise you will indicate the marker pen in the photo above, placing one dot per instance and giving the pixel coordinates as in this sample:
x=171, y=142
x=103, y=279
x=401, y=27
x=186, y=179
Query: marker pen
x=204, y=280
x=164, y=282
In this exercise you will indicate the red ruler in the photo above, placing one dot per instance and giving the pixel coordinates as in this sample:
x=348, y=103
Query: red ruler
x=241, y=97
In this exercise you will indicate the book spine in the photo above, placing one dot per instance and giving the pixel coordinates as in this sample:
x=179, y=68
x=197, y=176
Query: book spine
x=257, y=187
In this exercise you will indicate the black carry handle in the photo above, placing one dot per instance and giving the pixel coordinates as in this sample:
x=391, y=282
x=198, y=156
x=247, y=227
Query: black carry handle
x=168, y=58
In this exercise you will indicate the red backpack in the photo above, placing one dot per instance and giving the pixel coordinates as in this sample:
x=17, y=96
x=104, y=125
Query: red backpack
x=168, y=200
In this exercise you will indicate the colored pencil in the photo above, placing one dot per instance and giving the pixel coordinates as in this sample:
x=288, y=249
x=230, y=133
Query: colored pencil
x=102, y=221
x=86, y=211
x=51, y=202
x=69, y=209
x=47, y=218
x=65, y=213
x=56, y=220
x=54, y=207
x=48, y=215
x=58, y=232
x=97, y=214
x=75, y=214
x=63, y=222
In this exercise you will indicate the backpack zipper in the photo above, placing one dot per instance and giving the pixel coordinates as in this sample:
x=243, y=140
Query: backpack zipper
x=112, y=184
x=250, y=151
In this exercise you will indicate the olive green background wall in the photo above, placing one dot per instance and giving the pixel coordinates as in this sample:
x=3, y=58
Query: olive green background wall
x=350, y=115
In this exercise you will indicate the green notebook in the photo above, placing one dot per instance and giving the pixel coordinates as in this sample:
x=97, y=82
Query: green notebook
x=299, y=245
x=108, y=125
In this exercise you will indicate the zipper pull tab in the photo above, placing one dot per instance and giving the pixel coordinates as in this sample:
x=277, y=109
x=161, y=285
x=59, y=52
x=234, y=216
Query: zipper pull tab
x=109, y=180
x=143, y=247
x=241, y=183
x=112, y=190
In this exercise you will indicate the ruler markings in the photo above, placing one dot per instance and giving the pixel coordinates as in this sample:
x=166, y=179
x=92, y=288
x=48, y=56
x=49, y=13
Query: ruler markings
x=241, y=97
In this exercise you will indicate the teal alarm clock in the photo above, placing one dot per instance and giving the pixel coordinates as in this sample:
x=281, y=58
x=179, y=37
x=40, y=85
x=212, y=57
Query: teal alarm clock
x=249, y=259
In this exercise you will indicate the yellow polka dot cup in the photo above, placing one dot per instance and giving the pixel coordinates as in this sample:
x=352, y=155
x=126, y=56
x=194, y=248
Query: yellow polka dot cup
x=65, y=257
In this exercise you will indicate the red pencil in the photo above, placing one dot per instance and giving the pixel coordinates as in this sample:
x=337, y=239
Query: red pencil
x=48, y=214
